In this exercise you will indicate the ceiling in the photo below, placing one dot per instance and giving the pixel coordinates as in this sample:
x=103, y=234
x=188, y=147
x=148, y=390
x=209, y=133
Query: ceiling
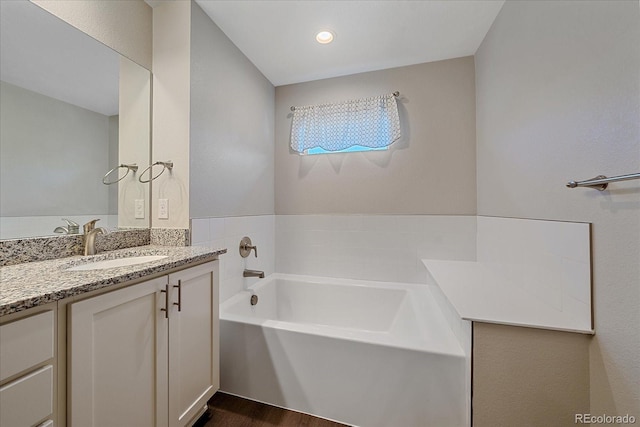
x=279, y=36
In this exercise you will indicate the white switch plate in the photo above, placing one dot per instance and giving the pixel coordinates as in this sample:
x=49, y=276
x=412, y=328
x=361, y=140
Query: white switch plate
x=163, y=208
x=139, y=209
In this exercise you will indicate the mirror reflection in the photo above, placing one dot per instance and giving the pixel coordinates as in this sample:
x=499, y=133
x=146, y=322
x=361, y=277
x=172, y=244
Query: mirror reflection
x=71, y=109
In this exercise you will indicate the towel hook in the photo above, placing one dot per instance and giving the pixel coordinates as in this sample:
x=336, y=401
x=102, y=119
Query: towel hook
x=165, y=165
x=130, y=168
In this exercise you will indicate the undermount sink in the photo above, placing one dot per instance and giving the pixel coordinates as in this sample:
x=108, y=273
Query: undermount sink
x=118, y=262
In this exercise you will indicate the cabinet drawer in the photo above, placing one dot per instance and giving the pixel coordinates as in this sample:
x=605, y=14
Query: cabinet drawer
x=28, y=399
x=25, y=343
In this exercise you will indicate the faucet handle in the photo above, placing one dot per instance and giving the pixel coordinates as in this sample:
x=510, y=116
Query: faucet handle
x=90, y=225
x=72, y=226
x=72, y=223
x=246, y=247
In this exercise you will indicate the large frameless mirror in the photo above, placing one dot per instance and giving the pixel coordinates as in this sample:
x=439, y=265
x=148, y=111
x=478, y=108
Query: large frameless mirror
x=71, y=110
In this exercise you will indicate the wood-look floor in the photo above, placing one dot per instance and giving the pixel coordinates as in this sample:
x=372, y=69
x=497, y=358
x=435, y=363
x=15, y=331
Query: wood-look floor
x=226, y=410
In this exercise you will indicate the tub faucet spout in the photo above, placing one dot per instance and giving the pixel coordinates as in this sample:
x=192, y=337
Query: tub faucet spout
x=253, y=273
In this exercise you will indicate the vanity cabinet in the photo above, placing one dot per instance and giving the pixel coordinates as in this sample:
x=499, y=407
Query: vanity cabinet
x=28, y=368
x=147, y=354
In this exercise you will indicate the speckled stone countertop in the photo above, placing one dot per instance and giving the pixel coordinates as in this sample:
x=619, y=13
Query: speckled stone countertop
x=27, y=285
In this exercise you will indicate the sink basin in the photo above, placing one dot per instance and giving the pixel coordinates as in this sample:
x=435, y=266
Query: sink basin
x=118, y=262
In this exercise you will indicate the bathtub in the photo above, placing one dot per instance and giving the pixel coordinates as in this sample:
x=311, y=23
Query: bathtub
x=362, y=353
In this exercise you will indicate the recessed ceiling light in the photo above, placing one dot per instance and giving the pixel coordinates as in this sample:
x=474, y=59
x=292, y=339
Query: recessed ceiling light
x=324, y=37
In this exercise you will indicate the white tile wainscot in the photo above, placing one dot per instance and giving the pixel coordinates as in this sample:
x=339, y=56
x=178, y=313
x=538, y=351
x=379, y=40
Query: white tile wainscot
x=227, y=232
x=384, y=248
x=545, y=284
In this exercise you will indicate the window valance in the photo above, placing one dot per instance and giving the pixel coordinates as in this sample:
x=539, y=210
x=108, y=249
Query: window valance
x=368, y=122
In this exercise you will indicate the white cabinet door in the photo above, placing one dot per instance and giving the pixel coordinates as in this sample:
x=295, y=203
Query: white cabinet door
x=118, y=358
x=193, y=342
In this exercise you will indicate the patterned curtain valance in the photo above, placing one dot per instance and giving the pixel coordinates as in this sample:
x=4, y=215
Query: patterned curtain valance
x=369, y=122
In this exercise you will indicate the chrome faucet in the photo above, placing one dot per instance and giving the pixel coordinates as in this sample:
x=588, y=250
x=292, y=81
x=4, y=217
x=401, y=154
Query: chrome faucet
x=90, y=232
x=71, y=228
x=253, y=273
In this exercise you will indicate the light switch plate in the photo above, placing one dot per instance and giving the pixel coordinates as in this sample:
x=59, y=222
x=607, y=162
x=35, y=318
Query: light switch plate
x=139, y=209
x=163, y=208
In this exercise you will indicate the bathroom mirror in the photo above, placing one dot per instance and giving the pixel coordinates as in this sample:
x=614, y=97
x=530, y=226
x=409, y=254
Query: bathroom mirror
x=71, y=109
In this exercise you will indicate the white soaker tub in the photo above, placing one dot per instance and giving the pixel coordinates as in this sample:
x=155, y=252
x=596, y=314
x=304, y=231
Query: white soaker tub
x=363, y=353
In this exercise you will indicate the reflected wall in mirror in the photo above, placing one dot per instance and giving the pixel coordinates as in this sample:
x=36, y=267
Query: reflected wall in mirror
x=71, y=109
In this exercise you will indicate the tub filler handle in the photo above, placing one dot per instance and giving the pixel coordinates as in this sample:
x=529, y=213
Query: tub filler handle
x=246, y=247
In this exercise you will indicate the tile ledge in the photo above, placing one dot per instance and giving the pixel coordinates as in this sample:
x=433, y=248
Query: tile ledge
x=479, y=293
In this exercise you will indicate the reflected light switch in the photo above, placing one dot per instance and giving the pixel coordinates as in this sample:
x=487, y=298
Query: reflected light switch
x=139, y=209
x=163, y=208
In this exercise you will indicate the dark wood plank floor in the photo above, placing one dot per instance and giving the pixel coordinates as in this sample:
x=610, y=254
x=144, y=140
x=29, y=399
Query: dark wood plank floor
x=231, y=411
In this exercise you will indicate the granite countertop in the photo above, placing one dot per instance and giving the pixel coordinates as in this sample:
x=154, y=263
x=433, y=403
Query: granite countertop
x=27, y=285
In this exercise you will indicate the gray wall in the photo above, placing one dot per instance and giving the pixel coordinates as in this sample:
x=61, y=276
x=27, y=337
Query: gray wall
x=231, y=131
x=431, y=170
x=170, y=112
x=124, y=26
x=558, y=98
x=114, y=124
x=52, y=156
x=134, y=136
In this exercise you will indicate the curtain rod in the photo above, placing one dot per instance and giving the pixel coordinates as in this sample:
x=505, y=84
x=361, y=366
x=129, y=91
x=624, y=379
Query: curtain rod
x=396, y=94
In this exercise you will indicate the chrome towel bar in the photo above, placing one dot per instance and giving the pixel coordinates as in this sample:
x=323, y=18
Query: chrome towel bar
x=601, y=182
